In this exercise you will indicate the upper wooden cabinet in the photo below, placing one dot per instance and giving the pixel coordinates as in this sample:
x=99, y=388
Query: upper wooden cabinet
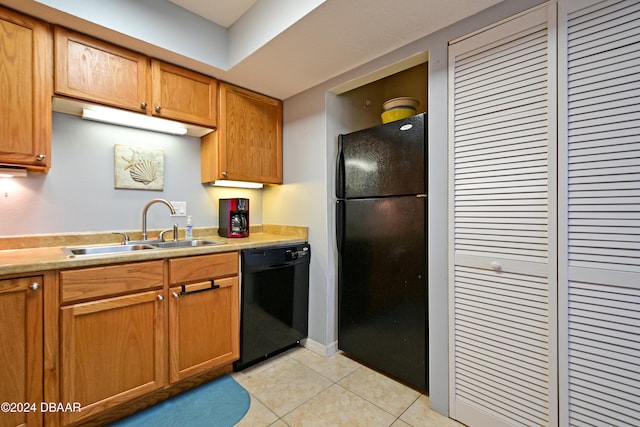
x=26, y=85
x=21, y=357
x=92, y=70
x=183, y=95
x=248, y=143
x=95, y=71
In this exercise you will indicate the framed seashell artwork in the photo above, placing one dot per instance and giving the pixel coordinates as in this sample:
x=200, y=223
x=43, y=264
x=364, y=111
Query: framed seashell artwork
x=138, y=168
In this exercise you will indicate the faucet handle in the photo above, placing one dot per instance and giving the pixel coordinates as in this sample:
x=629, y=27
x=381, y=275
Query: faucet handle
x=125, y=237
x=174, y=230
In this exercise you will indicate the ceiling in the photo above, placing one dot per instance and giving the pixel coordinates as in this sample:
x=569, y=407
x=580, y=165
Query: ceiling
x=293, y=45
x=221, y=12
x=336, y=37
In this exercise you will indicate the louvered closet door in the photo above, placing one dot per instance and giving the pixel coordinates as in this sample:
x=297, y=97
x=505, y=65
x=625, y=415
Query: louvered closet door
x=600, y=214
x=503, y=272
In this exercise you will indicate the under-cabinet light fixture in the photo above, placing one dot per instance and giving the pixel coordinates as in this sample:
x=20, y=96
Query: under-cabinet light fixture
x=134, y=120
x=236, y=184
x=9, y=172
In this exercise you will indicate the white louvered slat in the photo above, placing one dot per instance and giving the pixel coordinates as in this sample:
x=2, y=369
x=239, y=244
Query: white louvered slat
x=600, y=282
x=500, y=127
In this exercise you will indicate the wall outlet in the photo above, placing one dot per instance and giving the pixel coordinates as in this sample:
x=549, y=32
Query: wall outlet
x=180, y=207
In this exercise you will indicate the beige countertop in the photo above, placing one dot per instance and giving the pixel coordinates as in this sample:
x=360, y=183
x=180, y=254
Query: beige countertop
x=28, y=254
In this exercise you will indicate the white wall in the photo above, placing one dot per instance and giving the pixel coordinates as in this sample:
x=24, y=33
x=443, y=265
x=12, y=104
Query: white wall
x=78, y=195
x=312, y=120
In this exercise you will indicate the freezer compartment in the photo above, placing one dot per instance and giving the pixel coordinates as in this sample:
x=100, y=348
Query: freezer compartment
x=382, y=161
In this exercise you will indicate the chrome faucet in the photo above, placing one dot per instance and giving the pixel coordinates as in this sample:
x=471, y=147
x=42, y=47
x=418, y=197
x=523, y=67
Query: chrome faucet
x=144, y=214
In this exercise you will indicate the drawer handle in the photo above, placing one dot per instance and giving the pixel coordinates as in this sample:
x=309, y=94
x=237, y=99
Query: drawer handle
x=199, y=287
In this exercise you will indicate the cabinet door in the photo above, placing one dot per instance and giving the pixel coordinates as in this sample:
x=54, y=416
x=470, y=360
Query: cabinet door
x=183, y=95
x=503, y=211
x=26, y=77
x=112, y=350
x=21, y=352
x=203, y=326
x=599, y=183
x=248, y=143
x=95, y=71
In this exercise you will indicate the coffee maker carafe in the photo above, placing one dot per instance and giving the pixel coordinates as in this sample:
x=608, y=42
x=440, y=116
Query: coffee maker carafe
x=233, y=215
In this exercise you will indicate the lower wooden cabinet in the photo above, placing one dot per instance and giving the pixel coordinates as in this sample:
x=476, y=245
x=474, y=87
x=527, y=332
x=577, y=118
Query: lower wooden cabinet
x=21, y=351
x=113, y=349
x=204, y=325
x=122, y=336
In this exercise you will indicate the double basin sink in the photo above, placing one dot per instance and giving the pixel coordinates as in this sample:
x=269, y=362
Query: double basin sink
x=72, y=252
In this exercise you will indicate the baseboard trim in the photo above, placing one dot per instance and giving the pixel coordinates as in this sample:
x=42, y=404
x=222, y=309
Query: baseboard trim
x=321, y=349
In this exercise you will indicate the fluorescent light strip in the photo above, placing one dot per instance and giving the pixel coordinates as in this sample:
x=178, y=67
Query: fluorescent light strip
x=134, y=120
x=236, y=184
x=7, y=172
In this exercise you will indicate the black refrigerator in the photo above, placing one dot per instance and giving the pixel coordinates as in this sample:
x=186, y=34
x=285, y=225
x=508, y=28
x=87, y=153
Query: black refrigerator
x=381, y=238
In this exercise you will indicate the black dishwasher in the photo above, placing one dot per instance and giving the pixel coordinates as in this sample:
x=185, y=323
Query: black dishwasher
x=274, y=301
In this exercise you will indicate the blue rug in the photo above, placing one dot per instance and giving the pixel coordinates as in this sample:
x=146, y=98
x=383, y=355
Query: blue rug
x=219, y=403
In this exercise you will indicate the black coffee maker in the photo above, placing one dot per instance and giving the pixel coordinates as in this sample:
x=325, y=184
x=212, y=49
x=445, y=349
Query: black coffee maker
x=233, y=215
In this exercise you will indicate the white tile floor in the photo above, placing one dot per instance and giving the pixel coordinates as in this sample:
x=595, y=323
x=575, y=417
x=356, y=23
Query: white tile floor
x=301, y=388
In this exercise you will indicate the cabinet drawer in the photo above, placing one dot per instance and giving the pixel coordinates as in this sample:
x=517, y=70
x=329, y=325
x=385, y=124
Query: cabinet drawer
x=205, y=267
x=112, y=280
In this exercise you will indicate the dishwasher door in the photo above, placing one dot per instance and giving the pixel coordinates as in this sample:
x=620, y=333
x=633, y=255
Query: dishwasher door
x=274, y=301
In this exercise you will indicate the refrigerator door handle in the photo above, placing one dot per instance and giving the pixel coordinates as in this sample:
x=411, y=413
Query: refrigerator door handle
x=340, y=170
x=339, y=224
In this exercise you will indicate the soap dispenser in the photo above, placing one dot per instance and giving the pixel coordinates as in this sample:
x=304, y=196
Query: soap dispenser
x=188, y=235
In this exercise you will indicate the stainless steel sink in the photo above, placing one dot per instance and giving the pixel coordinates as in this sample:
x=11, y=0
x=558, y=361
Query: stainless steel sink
x=185, y=244
x=136, y=246
x=104, y=249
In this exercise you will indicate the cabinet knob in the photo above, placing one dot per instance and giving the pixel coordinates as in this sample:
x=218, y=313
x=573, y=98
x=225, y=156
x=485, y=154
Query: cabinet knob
x=224, y=174
x=175, y=295
x=40, y=157
x=495, y=265
x=160, y=298
x=158, y=108
x=143, y=105
x=34, y=286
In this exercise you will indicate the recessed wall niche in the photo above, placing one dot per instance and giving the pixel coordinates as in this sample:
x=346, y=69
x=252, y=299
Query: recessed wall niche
x=362, y=106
